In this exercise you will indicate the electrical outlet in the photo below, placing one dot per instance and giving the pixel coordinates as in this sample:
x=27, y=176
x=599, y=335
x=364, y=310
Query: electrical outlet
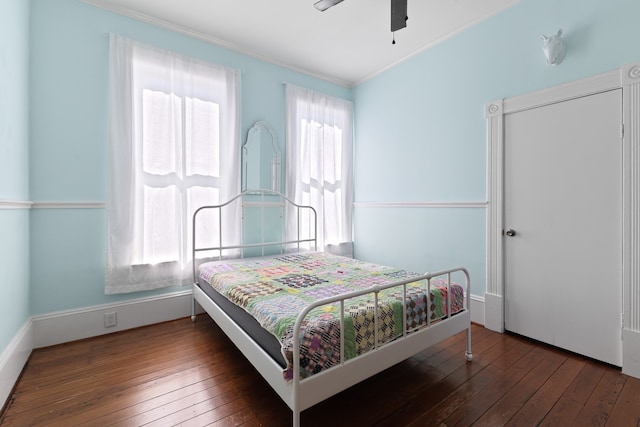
x=110, y=320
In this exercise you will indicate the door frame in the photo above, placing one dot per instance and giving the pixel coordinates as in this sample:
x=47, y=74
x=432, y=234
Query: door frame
x=628, y=79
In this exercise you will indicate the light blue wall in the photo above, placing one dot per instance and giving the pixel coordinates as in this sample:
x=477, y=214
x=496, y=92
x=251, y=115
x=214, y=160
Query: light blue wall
x=14, y=172
x=421, y=133
x=69, y=55
x=420, y=130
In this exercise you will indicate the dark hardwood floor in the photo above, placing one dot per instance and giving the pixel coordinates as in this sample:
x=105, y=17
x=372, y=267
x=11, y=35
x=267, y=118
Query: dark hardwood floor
x=184, y=373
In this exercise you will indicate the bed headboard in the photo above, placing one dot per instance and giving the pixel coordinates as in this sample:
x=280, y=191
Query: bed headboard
x=270, y=223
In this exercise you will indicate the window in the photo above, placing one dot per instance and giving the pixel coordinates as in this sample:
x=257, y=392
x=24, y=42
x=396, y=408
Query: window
x=319, y=163
x=173, y=146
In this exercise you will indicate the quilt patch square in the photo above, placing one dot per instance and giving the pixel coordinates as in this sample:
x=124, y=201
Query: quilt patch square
x=300, y=280
x=363, y=315
x=369, y=281
x=313, y=265
x=416, y=303
x=293, y=258
x=242, y=295
x=400, y=274
x=274, y=271
x=327, y=291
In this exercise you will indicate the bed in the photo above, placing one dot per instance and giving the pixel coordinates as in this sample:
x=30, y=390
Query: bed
x=313, y=323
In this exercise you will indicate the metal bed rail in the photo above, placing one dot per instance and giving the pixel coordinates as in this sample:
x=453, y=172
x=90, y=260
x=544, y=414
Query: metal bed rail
x=257, y=198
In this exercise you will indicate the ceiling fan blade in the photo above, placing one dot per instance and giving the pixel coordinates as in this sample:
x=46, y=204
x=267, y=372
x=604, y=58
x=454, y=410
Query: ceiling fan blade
x=323, y=5
x=398, y=14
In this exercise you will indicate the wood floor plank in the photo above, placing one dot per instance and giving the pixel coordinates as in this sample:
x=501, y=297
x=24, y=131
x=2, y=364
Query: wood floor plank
x=600, y=405
x=504, y=409
x=563, y=413
x=540, y=404
x=184, y=373
x=625, y=412
x=472, y=410
x=585, y=383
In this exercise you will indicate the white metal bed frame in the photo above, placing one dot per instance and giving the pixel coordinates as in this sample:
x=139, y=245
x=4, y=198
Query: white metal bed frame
x=300, y=394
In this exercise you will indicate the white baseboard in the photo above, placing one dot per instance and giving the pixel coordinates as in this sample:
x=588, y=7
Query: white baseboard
x=61, y=327
x=477, y=309
x=631, y=353
x=493, y=312
x=13, y=359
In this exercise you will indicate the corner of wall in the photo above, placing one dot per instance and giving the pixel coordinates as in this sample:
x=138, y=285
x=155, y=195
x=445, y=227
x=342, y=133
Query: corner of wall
x=13, y=359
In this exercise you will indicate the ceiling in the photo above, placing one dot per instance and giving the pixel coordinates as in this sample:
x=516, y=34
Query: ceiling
x=347, y=44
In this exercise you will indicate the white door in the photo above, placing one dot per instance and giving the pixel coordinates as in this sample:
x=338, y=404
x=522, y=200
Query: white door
x=563, y=201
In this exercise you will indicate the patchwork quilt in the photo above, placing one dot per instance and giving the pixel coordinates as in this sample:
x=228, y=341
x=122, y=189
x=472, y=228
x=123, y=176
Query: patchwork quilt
x=275, y=290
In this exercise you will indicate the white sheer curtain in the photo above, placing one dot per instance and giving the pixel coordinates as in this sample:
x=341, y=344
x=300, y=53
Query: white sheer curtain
x=174, y=145
x=319, y=153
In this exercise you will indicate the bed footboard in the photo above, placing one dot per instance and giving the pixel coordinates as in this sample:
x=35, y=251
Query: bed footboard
x=309, y=391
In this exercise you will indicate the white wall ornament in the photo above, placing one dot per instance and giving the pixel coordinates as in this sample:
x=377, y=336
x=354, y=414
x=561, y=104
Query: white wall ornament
x=494, y=109
x=554, y=48
x=630, y=74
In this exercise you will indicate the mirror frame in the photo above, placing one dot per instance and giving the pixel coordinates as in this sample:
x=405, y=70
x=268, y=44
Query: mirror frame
x=275, y=160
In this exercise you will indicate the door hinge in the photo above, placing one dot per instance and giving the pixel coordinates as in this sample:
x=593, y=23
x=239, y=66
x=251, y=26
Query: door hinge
x=622, y=131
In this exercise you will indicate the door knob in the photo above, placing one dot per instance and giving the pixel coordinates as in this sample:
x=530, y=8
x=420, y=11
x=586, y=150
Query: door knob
x=510, y=232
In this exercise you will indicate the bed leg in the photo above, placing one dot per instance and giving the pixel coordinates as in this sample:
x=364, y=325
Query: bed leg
x=193, y=309
x=468, y=353
x=296, y=418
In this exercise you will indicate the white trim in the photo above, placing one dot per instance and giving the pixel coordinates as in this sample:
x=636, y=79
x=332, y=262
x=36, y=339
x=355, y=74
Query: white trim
x=68, y=205
x=13, y=359
x=495, y=151
x=631, y=353
x=482, y=205
x=564, y=92
x=22, y=204
x=477, y=309
x=15, y=204
x=494, y=312
x=71, y=325
x=630, y=78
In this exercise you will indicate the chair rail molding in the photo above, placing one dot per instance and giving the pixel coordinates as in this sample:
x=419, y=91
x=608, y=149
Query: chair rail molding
x=626, y=78
x=15, y=204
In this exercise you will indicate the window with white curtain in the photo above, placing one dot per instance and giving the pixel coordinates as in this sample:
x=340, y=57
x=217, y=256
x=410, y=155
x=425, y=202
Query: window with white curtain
x=173, y=147
x=319, y=152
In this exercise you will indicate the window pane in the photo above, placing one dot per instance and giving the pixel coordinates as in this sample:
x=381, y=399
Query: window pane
x=161, y=132
x=162, y=230
x=333, y=217
x=332, y=146
x=310, y=152
x=207, y=225
x=202, y=137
